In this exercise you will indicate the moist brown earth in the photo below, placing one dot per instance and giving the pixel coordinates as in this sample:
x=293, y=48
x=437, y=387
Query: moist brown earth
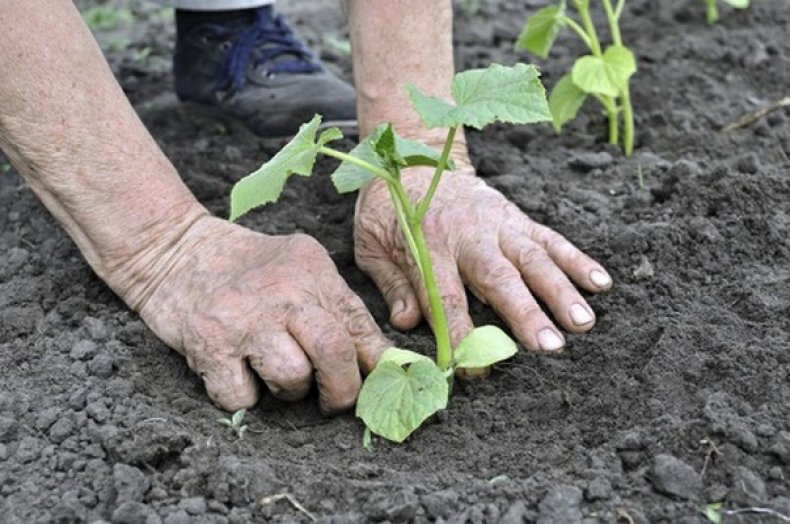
x=680, y=396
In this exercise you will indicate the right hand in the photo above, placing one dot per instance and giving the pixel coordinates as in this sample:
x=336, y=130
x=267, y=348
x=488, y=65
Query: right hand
x=234, y=301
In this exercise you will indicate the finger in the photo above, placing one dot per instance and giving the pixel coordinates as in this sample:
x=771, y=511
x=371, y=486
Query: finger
x=583, y=270
x=230, y=384
x=350, y=312
x=451, y=291
x=391, y=281
x=548, y=282
x=496, y=281
x=283, y=366
x=330, y=349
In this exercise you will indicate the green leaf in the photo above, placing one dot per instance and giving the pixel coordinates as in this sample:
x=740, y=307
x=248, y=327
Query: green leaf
x=266, y=184
x=542, y=29
x=350, y=177
x=621, y=65
x=713, y=512
x=484, y=96
x=738, y=4
x=394, y=401
x=238, y=417
x=402, y=357
x=329, y=135
x=605, y=75
x=565, y=101
x=484, y=346
x=225, y=422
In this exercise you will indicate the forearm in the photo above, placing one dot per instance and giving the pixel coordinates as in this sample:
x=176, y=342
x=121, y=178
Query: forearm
x=394, y=44
x=70, y=131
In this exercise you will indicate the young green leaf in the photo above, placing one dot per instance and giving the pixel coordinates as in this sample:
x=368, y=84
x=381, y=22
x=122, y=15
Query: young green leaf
x=738, y=4
x=401, y=357
x=604, y=75
x=394, y=401
x=238, y=418
x=565, y=101
x=713, y=512
x=542, y=29
x=484, y=346
x=349, y=177
x=484, y=96
x=266, y=184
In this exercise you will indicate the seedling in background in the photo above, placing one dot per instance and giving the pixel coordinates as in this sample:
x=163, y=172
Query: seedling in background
x=713, y=8
x=603, y=74
x=406, y=388
x=236, y=423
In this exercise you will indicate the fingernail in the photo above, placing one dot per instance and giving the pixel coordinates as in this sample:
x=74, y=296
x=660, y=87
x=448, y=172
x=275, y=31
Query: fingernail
x=398, y=307
x=549, y=340
x=600, y=279
x=580, y=315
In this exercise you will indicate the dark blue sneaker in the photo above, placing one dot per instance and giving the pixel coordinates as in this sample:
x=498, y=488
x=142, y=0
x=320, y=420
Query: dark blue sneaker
x=258, y=70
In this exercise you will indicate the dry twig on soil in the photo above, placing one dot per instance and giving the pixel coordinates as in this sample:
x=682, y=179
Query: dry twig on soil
x=753, y=116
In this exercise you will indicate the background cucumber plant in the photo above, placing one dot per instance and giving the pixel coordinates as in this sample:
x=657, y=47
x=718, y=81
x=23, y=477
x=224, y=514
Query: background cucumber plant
x=713, y=8
x=406, y=388
x=603, y=74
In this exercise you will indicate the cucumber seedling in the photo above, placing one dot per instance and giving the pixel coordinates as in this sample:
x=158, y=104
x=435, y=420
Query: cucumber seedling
x=405, y=388
x=603, y=74
x=713, y=8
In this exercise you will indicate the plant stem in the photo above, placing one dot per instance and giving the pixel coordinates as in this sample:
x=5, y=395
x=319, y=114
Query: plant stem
x=584, y=13
x=713, y=11
x=579, y=30
x=628, y=123
x=403, y=221
x=422, y=207
x=614, y=27
x=444, y=351
x=610, y=107
x=345, y=157
x=628, y=113
x=618, y=11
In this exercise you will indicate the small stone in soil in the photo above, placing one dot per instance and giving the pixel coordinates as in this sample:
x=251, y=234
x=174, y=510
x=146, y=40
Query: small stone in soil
x=83, y=350
x=598, y=489
x=561, y=506
x=780, y=446
x=29, y=449
x=748, y=488
x=134, y=513
x=101, y=365
x=130, y=483
x=193, y=505
x=61, y=430
x=671, y=476
x=589, y=161
x=440, y=503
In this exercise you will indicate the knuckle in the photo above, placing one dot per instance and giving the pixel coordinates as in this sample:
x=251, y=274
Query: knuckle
x=495, y=275
x=308, y=247
x=290, y=381
x=530, y=313
x=533, y=256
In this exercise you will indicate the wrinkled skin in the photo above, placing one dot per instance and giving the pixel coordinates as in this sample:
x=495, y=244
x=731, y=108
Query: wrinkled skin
x=277, y=303
x=478, y=238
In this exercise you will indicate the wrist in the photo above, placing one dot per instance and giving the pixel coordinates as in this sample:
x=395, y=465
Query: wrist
x=136, y=269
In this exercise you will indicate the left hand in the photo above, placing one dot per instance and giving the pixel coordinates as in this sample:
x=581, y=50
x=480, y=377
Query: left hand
x=478, y=238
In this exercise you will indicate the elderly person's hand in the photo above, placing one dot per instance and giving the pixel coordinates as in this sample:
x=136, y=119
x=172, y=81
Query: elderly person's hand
x=236, y=302
x=478, y=238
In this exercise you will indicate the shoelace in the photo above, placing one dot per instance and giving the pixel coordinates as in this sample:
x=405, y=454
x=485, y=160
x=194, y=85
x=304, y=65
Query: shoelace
x=267, y=40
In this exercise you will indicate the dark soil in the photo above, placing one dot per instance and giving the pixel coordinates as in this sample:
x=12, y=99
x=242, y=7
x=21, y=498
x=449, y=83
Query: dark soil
x=680, y=396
